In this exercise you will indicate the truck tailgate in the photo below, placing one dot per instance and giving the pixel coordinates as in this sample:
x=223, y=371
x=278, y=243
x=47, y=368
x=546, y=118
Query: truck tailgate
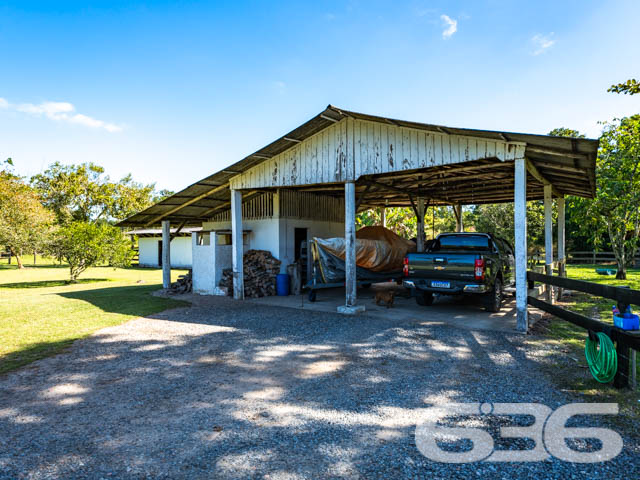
x=442, y=265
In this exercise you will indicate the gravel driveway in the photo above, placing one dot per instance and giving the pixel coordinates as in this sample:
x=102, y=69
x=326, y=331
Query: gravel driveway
x=234, y=390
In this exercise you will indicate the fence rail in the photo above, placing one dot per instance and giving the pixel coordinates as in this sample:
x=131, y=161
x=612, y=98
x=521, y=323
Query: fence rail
x=593, y=257
x=625, y=340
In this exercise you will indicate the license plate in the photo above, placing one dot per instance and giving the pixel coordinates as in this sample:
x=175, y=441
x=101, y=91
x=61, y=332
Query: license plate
x=441, y=284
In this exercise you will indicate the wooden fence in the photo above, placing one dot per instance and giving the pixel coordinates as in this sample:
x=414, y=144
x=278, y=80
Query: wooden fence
x=625, y=341
x=593, y=257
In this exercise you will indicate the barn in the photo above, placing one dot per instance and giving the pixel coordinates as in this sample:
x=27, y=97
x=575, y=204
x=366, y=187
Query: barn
x=313, y=180
x=150, y=247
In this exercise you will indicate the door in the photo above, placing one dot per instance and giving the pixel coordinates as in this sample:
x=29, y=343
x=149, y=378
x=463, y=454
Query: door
x=159, y=253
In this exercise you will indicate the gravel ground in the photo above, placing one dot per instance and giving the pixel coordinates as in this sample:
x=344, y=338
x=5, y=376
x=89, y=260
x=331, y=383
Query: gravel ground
x=232, y=390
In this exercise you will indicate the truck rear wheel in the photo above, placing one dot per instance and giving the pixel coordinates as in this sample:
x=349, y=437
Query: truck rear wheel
x=424, y=298
x=493, y=300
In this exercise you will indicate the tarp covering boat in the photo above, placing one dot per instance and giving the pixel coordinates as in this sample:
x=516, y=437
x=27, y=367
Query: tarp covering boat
x=379, y=255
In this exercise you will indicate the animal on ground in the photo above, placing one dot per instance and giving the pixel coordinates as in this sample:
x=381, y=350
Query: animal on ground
x=385, y=296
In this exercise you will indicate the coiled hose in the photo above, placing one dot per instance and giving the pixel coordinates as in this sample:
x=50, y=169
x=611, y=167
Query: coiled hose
x=601, y=357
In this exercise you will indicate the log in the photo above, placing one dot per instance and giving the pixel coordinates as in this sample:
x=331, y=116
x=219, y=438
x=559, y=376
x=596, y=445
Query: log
x=260, y=269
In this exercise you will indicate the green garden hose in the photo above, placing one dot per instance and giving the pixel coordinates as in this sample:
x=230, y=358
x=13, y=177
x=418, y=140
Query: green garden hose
x=601, y=357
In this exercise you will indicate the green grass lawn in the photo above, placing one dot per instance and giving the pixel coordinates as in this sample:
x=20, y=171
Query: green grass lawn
x=40, y=314
x=570, y=371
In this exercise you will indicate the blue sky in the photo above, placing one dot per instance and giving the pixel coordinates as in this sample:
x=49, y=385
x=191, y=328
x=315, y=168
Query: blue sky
x=174, y=91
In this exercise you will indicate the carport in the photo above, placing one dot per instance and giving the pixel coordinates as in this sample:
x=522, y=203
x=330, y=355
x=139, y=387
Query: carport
x=374, y=161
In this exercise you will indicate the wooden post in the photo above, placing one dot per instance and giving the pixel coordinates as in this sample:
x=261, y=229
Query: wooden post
x=457, y=210
x=621, y=380
x=166, y=254
x=384, y=217
x=351, y=284
x=237, y=244
x=634, y=384
x=548, y=237
x=520, y=223
x=420, y=239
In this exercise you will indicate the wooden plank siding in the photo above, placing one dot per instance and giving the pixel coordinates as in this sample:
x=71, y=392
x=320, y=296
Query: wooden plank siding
x=352, y=148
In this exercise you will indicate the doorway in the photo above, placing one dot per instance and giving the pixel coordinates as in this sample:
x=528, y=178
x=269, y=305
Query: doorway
x=159, y=253
x=300, y=251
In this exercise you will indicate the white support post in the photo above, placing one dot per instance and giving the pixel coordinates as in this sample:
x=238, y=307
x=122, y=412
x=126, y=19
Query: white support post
x=458, y=213
x=520, y=224
x=384, y=216
x=420, y=239
x=237, y=244
x=351, y=284
x=548, y=237
x=562, y=254
x=166, y=254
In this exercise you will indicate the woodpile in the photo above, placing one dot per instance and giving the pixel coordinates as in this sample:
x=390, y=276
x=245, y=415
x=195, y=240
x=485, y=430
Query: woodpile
x=260, y=270
x=184, y=284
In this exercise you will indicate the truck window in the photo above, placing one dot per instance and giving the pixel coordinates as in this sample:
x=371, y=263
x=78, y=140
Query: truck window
x=467, y=243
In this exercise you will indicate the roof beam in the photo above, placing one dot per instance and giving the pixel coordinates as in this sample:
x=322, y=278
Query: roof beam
x=546, y=151
x=535, y=173
x=186, y=204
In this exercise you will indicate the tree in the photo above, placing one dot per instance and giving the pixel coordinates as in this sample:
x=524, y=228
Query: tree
x=24, y=222
x=630, y=87
x=498, y=219
x=83, y=245
x=616, y=209
x=565, y=132
x=83, y=193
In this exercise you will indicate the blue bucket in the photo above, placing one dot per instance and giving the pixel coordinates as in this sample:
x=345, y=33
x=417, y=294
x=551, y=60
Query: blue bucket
x=627, y=321
x=282, y=284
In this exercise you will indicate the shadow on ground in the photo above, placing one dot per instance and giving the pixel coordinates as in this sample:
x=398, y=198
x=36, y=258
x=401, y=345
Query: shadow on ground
x=235, y=390
x=51, y=283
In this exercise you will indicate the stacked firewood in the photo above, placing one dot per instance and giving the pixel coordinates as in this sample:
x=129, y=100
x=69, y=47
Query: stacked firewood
x=260, y=270
x=184, y=284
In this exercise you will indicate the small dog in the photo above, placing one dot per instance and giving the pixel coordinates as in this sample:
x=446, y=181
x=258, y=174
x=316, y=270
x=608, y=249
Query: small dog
x=385, y=296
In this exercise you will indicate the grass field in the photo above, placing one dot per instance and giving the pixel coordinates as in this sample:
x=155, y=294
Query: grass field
x=588, y=304
x=40, y=314
x=570, y=372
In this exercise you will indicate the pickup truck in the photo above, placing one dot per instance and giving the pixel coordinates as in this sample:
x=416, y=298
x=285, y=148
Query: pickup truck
x=461, y=263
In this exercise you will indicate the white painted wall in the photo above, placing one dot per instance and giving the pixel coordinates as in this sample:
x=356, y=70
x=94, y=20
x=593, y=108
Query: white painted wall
x=275, y=234
x=203, y=271
x=352, y=148
x=181, y=254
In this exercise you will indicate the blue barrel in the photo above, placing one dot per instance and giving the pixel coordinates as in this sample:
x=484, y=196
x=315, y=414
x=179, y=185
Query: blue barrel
x=282, y=284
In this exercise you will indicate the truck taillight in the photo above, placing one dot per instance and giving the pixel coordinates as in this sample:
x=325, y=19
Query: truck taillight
x=405, y=266
x=479, y=269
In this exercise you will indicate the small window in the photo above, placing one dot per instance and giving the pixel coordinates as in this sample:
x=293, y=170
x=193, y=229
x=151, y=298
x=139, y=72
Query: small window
x=203, y=239
x=223, y=239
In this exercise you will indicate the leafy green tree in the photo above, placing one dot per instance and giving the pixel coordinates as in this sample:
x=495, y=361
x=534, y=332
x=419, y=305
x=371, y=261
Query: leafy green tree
x=83, y=245
x=24, y=222
x=616, y=209
x=630, y=87
x=83, y=193
x=565, y=132
x=498, y=219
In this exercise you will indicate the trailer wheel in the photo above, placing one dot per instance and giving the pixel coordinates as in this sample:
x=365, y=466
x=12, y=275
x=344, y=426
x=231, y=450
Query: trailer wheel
x=312, y=295
x=424, y=298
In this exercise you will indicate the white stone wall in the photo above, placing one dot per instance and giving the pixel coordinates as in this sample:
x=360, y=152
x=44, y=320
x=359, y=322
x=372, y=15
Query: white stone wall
x=181, y=255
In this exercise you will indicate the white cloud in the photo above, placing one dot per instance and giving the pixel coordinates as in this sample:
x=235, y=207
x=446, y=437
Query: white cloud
x=61, y=112
x=541, y=43
x=450, y=26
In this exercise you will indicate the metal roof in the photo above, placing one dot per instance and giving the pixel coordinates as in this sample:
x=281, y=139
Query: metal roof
x=568, y=163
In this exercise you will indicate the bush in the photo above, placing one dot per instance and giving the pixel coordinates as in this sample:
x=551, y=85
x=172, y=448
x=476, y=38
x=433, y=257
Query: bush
x=83, y=245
